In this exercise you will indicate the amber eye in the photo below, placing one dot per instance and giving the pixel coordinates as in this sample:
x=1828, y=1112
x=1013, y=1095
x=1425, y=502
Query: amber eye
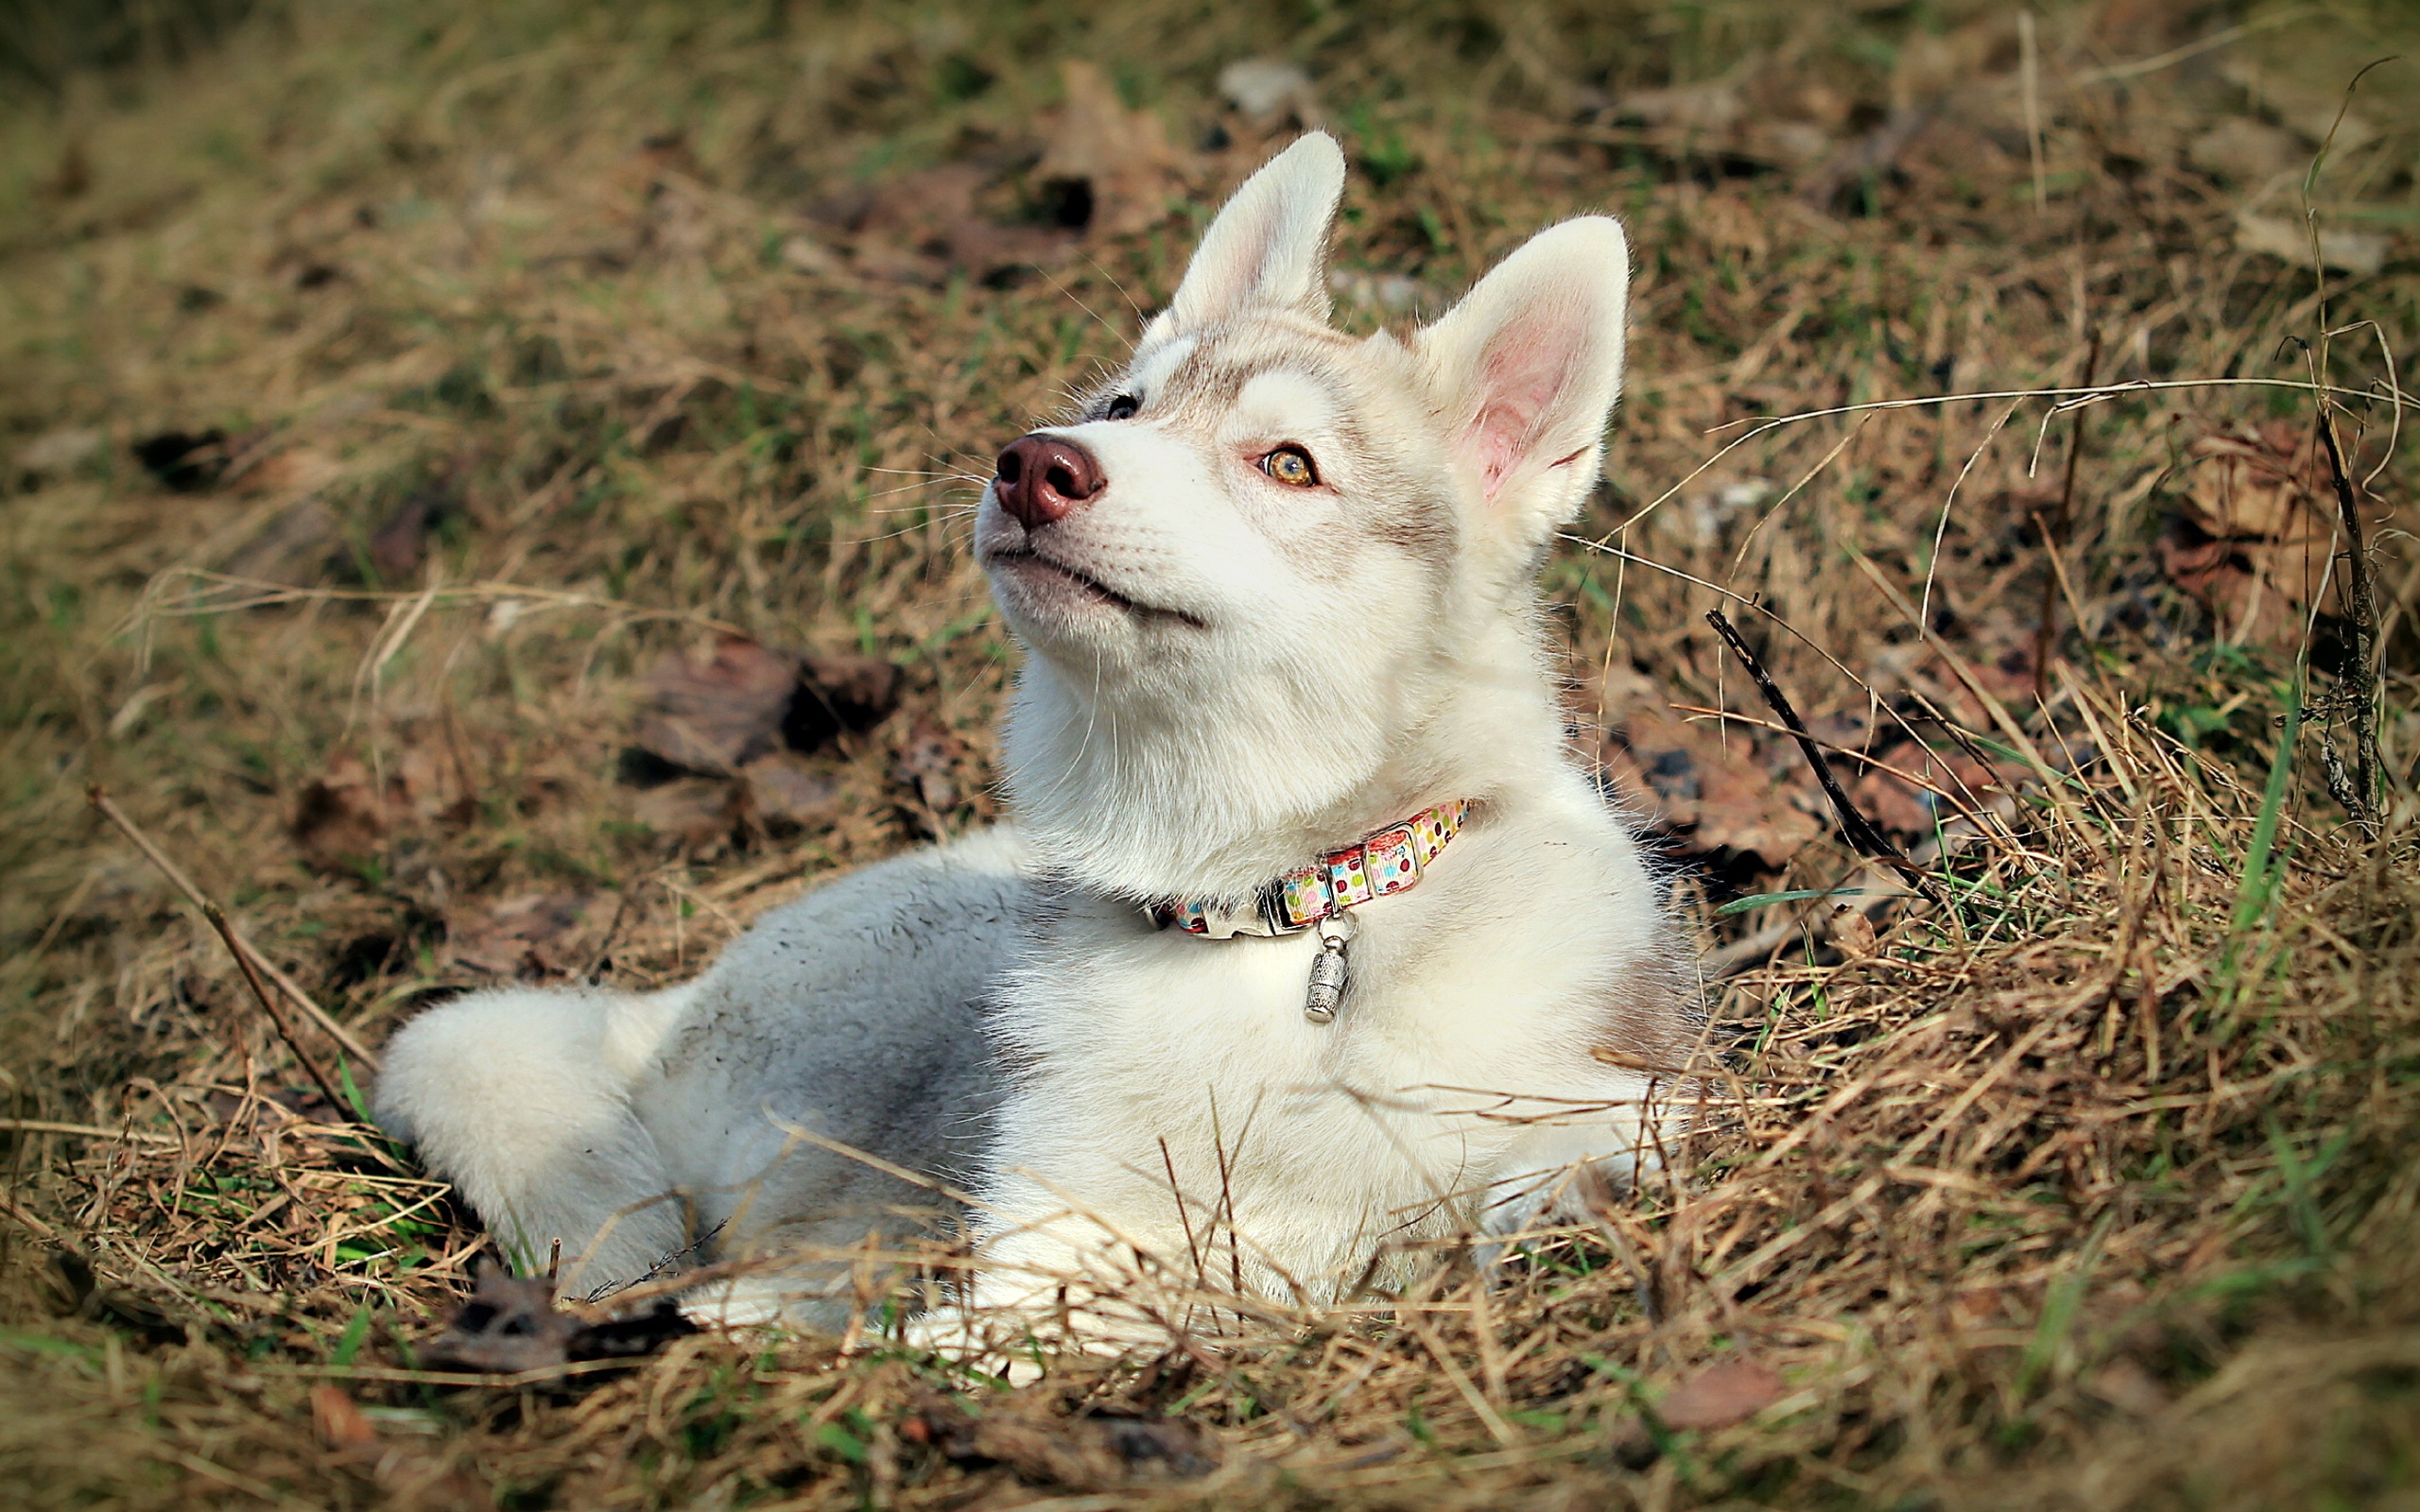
x=1123, y=407
x=1292, y=466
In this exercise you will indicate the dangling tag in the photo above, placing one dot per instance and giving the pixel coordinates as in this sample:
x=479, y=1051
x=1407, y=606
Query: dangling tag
x=1327, y=971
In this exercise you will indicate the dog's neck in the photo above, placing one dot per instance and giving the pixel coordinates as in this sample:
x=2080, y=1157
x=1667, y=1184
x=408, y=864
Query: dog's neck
x=1214, y=797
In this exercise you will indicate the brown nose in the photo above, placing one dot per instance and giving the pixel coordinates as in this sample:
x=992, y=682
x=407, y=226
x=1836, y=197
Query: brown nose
x=1043, y=478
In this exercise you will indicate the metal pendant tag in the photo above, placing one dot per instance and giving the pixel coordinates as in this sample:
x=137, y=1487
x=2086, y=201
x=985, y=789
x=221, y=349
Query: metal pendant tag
x=1328, y=974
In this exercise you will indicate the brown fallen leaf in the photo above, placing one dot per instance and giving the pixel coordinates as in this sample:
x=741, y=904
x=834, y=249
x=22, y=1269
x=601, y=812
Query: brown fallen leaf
x=715, y=713
x=1728, y=1392
x=1979, y=1309
x=399, y=543
x=839, y=693
x=1092, y=1452
x=185, y=462
x=343, y=1427
x=2127, y=1386
x=1905, y=809
x=295, y=546
x=1270, y=93
x=531, y=937
x=696, y=814
x=342, y=817
x=2251, y=536
x=64, y=450
x=1717, y=798
x=70, y=1287
x=1117, y=160
x=266, y=469
x=2355, y=251
x=929, y=758
x=511, y=1326
x=783, y=791
x=1853, y=932
x=919, y=227
x=408, y=1478
x=2242, y=150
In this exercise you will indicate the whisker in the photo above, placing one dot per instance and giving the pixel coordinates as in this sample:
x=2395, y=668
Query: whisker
x=1140, y=316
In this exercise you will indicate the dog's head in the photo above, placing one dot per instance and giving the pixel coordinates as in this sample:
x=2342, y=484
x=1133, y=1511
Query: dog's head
x=1266, y=560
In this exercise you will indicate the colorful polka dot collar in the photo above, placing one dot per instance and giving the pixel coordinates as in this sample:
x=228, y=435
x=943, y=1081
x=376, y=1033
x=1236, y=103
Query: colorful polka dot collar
x=1390, y=861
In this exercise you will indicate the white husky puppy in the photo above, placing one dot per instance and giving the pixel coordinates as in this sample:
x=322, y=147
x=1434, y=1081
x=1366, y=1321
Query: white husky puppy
x=1308, y=930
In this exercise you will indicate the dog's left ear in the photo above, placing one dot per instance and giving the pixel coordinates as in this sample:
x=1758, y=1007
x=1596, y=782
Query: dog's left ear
x=1267, y=247
x=1528, y=365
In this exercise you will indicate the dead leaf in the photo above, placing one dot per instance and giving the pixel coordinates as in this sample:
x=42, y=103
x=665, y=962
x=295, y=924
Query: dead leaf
x=2251, y=536
x=532, y=937
x=928, y=762
x=2240, y=150
x=1723, y=1394
x=184, y=462
x=2140, y=28
x=2361, y=252
x=2127, y=1386
x=1091, y=1453
x=59, y=451
x=1908, y=810
x=1932, y=65
x=401, y=541
x=345, y=814
x=919, y=227
x=295, y=546
x=341, y=816
x=838, y=693
x=342, y=1425
x=718, y=712
x=71, y=179
x=1708, y=107
x=1120, y=158
x=410, y=1479
x=1853, y=932
x=1718, y=797
x=1270, y=93
x=512, y=1326
x=696, y=814
x=70, y=1287
x=781, y=790
x=288, y=469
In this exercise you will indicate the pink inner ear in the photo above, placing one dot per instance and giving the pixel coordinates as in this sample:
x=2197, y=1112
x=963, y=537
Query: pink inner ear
x=1525, y=372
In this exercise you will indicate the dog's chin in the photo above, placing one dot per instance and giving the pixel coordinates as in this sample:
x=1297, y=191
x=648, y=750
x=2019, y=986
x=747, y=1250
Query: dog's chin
x=1050, y=601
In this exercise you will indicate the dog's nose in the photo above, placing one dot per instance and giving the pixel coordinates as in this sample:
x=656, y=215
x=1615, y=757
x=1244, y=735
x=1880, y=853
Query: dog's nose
x=1044, y=478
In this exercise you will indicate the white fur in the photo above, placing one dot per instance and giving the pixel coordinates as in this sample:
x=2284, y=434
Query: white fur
x=1257, y=675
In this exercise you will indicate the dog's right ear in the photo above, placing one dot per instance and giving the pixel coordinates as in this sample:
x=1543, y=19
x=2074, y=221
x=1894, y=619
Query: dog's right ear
x=1268, y=245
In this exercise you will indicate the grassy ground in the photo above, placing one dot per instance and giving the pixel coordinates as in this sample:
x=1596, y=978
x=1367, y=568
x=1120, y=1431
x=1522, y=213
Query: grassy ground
x=544, y=342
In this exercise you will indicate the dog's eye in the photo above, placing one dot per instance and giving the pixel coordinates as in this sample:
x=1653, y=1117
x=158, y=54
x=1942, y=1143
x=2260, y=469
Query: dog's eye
x=1123, y=407
x=1292, y=466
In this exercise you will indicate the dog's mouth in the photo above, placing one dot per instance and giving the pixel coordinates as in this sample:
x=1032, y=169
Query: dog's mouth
x=1026, y=561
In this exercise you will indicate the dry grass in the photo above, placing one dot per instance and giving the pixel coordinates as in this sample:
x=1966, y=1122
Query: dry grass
x=2088, y=1185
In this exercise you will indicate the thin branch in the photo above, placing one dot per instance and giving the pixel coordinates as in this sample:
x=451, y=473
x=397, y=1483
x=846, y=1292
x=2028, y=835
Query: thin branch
x=2360, y=592
x=242, y=947
x=2055, y=533
x=269, y=1004
x=1855, y=827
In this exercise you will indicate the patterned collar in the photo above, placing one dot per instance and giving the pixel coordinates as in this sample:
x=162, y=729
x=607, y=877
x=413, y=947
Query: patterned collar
x=1390, y=861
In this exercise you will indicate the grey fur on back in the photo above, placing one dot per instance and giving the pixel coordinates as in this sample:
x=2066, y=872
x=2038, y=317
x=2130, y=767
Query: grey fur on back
x=870, y=1019
x=855, y=1013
